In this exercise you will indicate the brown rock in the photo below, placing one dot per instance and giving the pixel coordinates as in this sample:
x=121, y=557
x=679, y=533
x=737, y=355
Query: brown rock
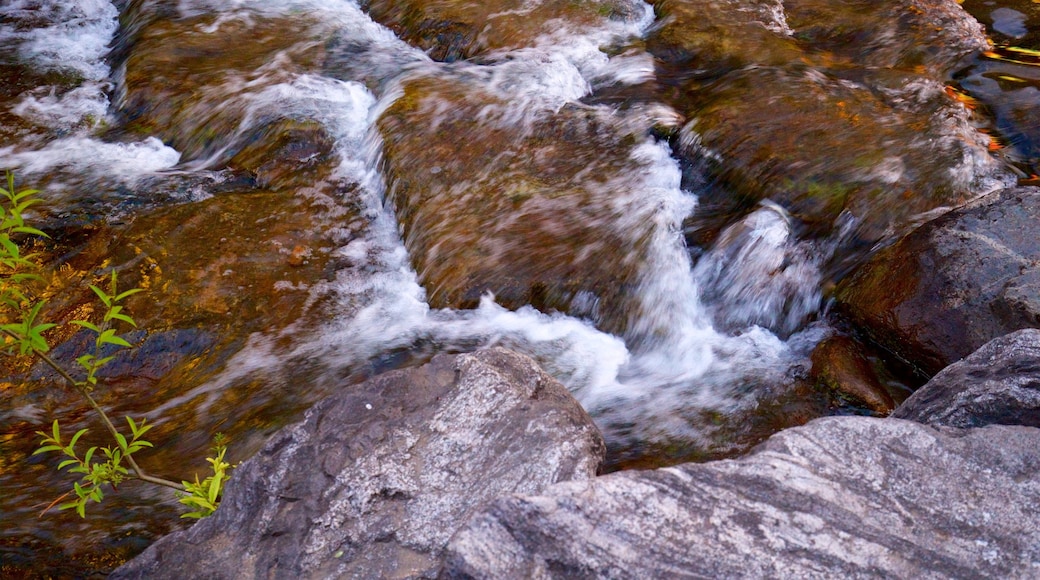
x=839, y=365
x=528, y=213
x=180, y=74
x=452, y=31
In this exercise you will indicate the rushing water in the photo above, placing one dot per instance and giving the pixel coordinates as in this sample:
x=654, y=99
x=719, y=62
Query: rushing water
x=142, y=122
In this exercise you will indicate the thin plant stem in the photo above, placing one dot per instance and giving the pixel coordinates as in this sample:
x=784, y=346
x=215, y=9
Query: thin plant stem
x=138, y=472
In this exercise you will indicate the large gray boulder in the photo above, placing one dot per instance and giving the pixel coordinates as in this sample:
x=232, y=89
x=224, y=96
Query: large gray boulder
x=376, y=479
x=954, y=284
x=997, y=384
x=841, y=497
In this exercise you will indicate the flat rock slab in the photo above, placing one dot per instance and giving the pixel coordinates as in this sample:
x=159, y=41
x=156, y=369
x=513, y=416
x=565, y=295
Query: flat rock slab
x=375, y=480
x=841, y=497
x=997, y=384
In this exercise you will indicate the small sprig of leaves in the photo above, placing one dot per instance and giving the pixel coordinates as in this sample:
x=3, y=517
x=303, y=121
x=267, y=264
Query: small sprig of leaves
x=22, y=334
x=95, y=474
x=204, y=497
x=92, y=362
x=18, y=270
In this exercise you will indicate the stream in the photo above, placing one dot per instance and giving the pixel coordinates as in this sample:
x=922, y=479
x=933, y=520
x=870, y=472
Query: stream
x=651, y=199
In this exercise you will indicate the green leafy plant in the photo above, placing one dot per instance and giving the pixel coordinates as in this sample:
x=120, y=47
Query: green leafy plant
x=204, y=497
x=25, y=335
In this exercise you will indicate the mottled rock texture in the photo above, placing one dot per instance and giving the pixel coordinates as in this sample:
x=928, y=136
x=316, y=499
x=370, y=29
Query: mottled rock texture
x=954, y=284
x=842, y=497
x=376, y=479
x=997, y=384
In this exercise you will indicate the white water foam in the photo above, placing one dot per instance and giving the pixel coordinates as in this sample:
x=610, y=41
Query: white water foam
x=88, y=102
x=74, y=39
x=757, y=273
x=122, y=162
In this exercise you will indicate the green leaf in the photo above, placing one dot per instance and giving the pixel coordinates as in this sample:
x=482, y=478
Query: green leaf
x=10, y=246
x=76, y=437
x=54, y=430
x=109, y=337
x=66, y=463
x=105, y=298
x=128, y=293
x=30, y=231
x=120, y=439
x=86, y=361
x=214, y=490
x=47, y=448
x=89, y=454
x=87, y=325
x=122, y=317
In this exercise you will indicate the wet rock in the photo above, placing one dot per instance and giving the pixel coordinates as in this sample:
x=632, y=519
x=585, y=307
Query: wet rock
x=532, y=209
x=216, y=275
x=839, y=365
x=286, y=154
x=907, y=148
x=207, y=263
x=198, y=83
x=850, y=497
x=697, y=39
x=997, y=384
x=450, y=31
x=932, y=35
x=376, y=479
x=771, y=90
x=953, y=284
x=694, y=39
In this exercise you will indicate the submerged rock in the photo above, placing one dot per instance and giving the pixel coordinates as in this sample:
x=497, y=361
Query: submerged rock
x=771, y=90
x=953, y=284
x=997, y=384
x=450, y=31
x=533, y=206
x=376, y=479
x=214, y=89
x=849, y=497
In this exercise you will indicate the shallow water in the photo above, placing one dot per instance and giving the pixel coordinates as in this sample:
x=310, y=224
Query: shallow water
x=310, y=200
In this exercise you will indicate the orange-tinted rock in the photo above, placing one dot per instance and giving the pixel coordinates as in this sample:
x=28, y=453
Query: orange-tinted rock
x=527, y=212
x=776, y=134
x=457, y=30
x=696, y=38
x=190, y=81
x=932, y=35
x=836, y=111
x=839, y=365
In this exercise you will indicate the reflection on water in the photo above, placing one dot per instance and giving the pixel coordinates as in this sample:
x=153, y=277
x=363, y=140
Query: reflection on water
x=651, y=210
x=1006, y=79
